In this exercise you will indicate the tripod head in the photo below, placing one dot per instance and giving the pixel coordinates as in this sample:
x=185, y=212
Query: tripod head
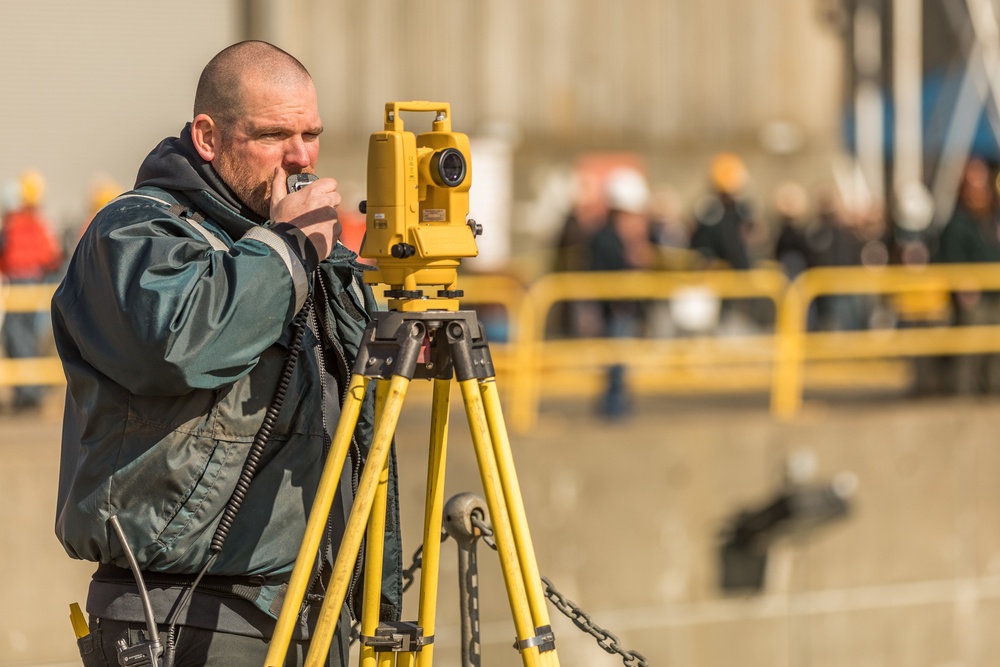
x=415, y=213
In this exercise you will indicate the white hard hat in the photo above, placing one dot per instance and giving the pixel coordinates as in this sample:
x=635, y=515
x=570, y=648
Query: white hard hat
x=628, y=191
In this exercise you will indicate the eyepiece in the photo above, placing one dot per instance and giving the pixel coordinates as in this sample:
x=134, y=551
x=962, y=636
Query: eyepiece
x=448, y=167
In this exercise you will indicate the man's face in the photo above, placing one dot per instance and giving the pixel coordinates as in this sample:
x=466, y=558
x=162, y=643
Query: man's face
x=279, y=127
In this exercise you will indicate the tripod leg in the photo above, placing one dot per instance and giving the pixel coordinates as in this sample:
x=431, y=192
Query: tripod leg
x=350, y=545
x=515, y=507
x=433, y=509
x=375, y=549
x=316, y=525
x=496, y=502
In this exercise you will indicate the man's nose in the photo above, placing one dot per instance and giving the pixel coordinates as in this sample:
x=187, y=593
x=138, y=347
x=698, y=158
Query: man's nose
x=296, y=154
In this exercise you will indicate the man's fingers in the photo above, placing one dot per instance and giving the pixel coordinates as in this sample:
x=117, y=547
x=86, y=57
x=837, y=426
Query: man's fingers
x=279, y=186
x=325, y=184
x=323, y=192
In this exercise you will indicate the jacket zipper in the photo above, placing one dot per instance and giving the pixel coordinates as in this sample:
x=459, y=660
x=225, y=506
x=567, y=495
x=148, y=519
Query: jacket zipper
x=345, y=372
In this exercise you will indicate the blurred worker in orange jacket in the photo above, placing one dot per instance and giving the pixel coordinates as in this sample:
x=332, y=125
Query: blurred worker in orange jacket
x=29, y=253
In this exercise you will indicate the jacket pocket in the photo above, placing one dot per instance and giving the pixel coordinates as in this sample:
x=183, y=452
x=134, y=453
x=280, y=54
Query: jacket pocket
x=169, y=482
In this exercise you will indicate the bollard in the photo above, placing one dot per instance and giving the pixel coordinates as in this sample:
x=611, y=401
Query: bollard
x=458, y=513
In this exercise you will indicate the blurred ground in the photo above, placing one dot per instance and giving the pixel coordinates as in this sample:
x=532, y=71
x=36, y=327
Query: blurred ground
x=625, y=520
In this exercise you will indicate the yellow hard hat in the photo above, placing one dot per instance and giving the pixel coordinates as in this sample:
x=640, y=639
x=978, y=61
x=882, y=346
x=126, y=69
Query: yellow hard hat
x=102, y=193
x=32, y=188
x=728, y=173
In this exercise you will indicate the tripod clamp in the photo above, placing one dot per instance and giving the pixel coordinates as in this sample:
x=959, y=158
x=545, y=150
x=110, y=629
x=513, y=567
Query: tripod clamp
x=397, y=636
x=425, y=345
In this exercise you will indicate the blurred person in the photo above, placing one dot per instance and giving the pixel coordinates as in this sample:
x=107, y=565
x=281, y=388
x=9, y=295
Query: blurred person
x=971, y=236
x=29, y=253
x=190, y=306
x=623, y=243
x=101, y=191
x=833, y=242
x=670, y=233
x=723, y=217
x=10, y=196
x=921, y=308
x=587, y=214
x=725, y=228
x=668, y=227
x=791, y=206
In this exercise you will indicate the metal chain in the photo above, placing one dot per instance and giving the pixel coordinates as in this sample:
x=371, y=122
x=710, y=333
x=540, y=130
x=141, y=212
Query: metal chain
x=606, y=639
x=417, y=562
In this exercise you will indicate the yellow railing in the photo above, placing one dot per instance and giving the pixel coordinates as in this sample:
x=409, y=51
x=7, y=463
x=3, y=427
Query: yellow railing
x=782, y=362
x=481, y=290
x=674, y=360
x=502, y=291
x=28, y=371
x=797, y=347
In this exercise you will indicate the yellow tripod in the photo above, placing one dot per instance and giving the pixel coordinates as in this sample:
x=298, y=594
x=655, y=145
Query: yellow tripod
x=397, y=347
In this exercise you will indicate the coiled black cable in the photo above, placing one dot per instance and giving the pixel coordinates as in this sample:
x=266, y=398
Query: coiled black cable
x=264, y=432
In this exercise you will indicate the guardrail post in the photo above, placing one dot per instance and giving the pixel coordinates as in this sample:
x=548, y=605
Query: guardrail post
x=786, y=390
x=530, y=332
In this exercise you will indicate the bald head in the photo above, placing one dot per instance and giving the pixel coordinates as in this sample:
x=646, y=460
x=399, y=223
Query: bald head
x=223, y=82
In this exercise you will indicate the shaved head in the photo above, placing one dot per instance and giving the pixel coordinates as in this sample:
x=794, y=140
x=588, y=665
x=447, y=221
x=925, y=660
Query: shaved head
x=221, y=91
x=256, y=117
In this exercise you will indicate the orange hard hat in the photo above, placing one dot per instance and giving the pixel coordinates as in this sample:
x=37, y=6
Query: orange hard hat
x=728, y=173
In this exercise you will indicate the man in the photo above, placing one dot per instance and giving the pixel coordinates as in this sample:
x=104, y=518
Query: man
x=177, y=326
x=29, y=253
x=623, y=243
x=972, y=235
x=722, y=218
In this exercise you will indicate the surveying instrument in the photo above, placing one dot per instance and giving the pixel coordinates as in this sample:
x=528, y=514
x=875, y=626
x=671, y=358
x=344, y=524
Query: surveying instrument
x=416, y=230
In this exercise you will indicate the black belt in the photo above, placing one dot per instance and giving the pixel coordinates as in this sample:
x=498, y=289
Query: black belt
x=247, y=588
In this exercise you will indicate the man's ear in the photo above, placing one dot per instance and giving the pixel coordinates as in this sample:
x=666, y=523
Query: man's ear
x=205, y=136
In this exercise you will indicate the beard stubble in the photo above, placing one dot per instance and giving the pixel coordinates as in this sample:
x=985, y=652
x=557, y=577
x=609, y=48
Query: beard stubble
x=252, y=188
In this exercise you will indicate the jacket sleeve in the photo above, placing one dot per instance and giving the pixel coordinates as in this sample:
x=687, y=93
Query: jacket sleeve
x=151, y=304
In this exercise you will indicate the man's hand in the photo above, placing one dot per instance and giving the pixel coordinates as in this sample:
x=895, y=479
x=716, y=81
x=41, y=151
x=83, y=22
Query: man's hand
x=313, y=209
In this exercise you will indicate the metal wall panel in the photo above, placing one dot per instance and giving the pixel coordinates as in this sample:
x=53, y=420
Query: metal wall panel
x=673, y=72
x=84, y=84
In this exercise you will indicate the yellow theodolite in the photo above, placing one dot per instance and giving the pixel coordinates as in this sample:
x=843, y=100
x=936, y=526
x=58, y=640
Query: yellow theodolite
x=416, y=230
x=418, y=200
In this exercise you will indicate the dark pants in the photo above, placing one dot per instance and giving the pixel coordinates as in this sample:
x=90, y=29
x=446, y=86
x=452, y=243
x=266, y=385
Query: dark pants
x=21, y=335
x=623, y=320
x=195, y=647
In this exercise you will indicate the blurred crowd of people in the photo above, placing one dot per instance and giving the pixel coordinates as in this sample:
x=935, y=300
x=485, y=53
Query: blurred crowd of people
x=619, y=222
x=32, y=252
